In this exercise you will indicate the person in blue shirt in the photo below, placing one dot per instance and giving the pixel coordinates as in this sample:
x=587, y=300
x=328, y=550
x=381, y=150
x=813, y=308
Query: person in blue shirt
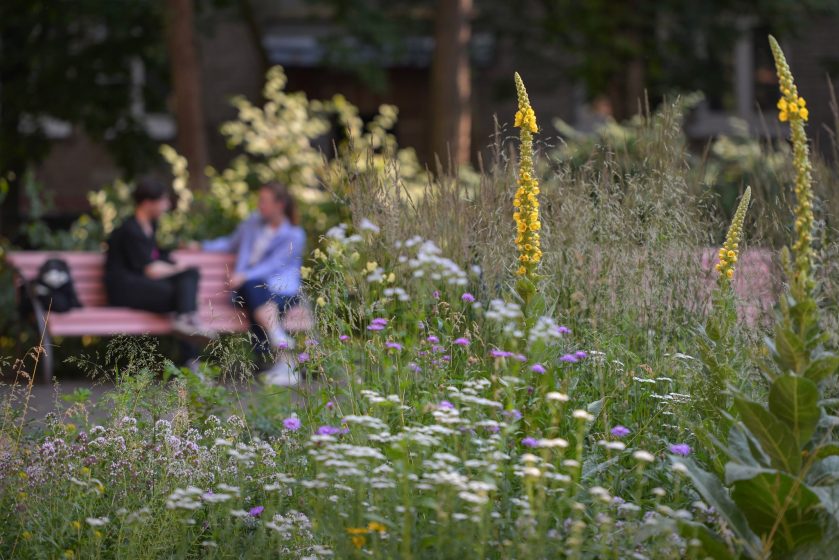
x=266, y=281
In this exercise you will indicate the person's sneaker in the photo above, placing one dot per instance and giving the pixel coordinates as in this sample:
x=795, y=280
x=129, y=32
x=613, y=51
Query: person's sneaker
x=282, y=374
x=188, y=328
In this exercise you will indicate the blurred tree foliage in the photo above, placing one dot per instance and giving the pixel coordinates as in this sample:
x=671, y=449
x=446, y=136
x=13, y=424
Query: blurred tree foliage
x=616, y=49
x=72, y=60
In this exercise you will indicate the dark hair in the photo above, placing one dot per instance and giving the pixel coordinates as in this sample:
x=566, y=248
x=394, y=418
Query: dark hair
x=281, y=194
x=149, y=189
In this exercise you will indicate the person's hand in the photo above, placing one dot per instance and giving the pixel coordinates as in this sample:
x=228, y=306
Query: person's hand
x=236, y=280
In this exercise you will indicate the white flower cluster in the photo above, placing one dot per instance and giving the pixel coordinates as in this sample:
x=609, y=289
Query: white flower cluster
x=397, y=293
x=338, y=234
x=428, y=262
x=291, y=525
x=508, y=314
x=546, y=330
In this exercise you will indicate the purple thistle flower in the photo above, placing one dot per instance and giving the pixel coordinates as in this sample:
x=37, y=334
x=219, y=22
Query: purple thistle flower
x=436, y=294
x=446, y=358
x=467, y=297
x=580, y=355
x=538, y=368
x=256, y=511
x=328, y=431
x=311, y=342
x=343, y=338
x=620, y=431
x=433, y=339
x=462, y=341
x=292, y=423
x=682, y=449
x=414, y=367
x=330, y=405
x=376, y=327
x=283, y=345
x=303, y=357
x=520, y=358
x=437, y=348
x=514, y=414
x=530, y=442
x=379, y=321
x=445, y=405
x=496, y=353
x=569, y=358
x=563, y=330
x=393, y=345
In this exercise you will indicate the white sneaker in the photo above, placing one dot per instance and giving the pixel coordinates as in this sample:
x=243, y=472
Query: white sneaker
x=190, y=328
x=282, y=374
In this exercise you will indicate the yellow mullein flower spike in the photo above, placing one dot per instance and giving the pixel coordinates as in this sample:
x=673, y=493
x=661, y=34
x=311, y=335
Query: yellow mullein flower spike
x=794, y=109
x=526, y=214
x=729, y=250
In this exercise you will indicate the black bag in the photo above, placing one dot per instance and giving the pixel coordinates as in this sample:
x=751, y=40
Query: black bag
x=54, y=286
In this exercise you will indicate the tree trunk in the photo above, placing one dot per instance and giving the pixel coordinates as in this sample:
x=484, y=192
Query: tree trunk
x=451, y=87
x=186, y=81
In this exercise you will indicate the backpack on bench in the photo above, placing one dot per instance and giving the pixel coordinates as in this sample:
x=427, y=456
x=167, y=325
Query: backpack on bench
x=54, y=286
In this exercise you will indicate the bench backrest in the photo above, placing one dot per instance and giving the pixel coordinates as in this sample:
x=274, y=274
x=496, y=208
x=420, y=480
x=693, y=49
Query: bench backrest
x=87, y=271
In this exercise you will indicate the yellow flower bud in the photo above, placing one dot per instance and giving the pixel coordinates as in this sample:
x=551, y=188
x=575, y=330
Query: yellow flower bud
x=321, y=301
x=371, y=266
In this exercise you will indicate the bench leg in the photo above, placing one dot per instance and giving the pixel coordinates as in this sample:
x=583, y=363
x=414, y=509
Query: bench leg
x=46, y=361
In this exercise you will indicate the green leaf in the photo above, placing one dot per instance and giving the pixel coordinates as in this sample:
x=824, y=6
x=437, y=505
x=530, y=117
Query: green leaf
x=781, y=507
x=826, y=450
x=713, y=492
x=776, y=440
x=794, y=401
x=822, y=367
x=712, y=545
x=789, y=350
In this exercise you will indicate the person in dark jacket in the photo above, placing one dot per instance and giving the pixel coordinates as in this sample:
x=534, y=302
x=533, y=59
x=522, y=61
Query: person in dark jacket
x=141, y=275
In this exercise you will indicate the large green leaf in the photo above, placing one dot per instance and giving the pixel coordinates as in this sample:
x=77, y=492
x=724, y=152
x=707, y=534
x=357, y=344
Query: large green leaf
x=779, y=507
x=794, y=401
x=822, y=367
x=775, y=438
x=789, y=350
x=713, y=492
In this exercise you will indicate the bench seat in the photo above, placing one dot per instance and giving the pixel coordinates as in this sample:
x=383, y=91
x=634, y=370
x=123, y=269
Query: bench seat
x=105, y=321
x=95, y=318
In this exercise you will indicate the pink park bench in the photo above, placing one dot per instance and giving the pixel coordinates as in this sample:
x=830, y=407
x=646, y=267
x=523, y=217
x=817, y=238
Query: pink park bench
x=96, y=318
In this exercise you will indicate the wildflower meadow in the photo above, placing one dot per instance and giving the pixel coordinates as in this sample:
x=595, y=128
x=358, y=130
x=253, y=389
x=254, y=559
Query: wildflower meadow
x=538, y=360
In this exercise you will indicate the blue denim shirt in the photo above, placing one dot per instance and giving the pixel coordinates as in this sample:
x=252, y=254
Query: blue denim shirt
x=280, y=264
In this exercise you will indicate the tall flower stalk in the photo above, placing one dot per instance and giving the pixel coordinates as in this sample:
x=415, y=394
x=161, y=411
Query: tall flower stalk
x=730, y=250
x=526, y=201
x=793, y=109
